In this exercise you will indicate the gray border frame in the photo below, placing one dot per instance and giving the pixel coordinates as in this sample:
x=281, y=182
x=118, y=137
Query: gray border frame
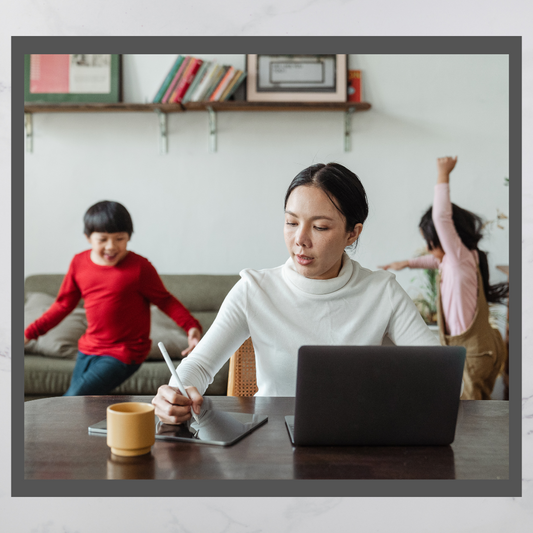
x=511, y=46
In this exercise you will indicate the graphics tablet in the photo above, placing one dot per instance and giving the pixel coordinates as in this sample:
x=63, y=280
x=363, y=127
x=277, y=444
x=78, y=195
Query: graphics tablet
x=221, y=428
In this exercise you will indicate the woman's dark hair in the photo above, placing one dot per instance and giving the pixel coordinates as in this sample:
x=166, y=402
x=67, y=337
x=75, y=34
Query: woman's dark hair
x=342, y=187
x=107, y=217
x=469, y=227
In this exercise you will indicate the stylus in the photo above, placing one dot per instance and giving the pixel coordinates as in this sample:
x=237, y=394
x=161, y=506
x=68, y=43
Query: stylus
x=172, y=369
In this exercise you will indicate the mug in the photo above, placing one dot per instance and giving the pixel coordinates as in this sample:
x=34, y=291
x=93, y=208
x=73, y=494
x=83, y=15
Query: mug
x=130, y=428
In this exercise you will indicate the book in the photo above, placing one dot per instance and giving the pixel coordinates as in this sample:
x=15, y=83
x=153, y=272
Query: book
x=168, y=80
x=354, y=86
x=221, y=87
x=228, y=90
x=238, y=92
x=172, y=86
x=197, y=79
x=186, y=80
x=215, y=82
x=205, y=83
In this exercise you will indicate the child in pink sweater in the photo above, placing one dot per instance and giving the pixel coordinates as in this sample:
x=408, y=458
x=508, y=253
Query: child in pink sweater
x=452, y=235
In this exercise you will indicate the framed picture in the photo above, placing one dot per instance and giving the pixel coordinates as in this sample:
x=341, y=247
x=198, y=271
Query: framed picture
x=72, y=78
x=296, y=78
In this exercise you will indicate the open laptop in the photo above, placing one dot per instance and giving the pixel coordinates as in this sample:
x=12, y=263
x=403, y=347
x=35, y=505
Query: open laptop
x=377, y=395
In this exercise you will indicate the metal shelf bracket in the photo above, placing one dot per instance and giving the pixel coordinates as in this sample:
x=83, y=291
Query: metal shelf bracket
x=163, y=131
x=348, y=128
x=28, y=121
x=212, y=130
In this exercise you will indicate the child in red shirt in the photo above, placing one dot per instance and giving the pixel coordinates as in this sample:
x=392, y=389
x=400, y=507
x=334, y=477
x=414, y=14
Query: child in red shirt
x=117, y=286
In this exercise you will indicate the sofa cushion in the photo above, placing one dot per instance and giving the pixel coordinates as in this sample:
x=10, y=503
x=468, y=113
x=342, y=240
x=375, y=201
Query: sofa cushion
x=44, y=376
x=62, y=340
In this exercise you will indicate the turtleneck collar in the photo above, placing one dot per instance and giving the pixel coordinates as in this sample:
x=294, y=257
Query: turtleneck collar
x=318, y=286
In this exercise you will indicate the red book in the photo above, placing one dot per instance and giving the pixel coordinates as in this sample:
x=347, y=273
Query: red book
x=172, y=86
x=186, y=80
x=354, y=86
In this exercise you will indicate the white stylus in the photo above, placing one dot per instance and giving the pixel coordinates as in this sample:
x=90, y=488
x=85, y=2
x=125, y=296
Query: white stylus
x=172, y=369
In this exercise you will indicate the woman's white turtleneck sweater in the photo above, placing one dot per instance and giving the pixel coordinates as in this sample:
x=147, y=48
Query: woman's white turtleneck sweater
x=282, y=310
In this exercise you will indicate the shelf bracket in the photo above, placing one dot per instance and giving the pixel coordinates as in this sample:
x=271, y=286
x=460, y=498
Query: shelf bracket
x=163, y=131
x=28, y=121
x=212, y=130
x=348, y=128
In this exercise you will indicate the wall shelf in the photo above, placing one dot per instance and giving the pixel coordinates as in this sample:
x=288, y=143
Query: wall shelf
x=348, y=108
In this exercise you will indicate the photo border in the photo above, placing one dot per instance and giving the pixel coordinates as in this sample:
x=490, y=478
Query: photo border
x=511, y=46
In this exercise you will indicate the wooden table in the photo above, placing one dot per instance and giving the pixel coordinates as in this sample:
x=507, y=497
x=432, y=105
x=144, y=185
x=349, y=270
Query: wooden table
x=57, y=446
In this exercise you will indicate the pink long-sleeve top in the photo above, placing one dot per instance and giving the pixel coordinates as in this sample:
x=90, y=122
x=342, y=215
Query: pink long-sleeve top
x=458, y=268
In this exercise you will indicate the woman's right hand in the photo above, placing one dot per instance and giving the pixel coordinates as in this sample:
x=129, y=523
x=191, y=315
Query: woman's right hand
x=396, y=265
x=172, y=407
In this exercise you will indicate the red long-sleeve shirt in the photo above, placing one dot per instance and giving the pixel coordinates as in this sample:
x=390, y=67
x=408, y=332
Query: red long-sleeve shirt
x=117, y=304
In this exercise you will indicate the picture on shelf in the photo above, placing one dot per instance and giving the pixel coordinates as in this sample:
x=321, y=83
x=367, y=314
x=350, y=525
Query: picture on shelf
x=81, y=78
x=296, y=78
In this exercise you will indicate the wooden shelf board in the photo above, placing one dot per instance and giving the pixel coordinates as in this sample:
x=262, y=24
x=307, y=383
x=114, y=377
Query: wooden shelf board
x=193, y=106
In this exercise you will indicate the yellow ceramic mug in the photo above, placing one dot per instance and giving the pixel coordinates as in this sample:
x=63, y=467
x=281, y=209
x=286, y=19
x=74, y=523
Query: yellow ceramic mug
x=130, y=428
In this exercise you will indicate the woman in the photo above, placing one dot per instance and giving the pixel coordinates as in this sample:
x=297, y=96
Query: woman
x=319, y=296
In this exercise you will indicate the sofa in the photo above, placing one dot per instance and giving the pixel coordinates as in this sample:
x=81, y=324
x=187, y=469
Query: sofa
x=49, y=360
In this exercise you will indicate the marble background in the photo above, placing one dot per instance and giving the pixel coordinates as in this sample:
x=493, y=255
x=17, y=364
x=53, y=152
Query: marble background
x=268, y=18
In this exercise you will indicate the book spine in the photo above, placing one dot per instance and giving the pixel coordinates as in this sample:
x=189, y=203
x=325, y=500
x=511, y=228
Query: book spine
x=172, y=97
x=234, y=80
x=172, y=86
x=186, y=80
x=354, y=86
x=224, y=82
x=197, y=79
x=167, y=81
x=195, y=97
x=209, y=82
x=215, y=83
x=236, y=86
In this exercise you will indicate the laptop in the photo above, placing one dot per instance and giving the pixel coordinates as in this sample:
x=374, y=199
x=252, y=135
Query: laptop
x=376, y=395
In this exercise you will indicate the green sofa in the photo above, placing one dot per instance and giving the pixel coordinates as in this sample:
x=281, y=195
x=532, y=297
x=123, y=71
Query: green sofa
x=49, y=360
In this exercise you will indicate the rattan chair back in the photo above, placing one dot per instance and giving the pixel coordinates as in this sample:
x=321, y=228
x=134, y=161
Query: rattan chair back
x=241, y=377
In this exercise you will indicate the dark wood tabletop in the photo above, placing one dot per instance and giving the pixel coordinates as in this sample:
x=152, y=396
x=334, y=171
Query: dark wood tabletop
x=57, y=446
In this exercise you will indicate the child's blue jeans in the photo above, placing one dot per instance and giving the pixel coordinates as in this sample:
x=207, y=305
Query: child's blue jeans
x=98, y=374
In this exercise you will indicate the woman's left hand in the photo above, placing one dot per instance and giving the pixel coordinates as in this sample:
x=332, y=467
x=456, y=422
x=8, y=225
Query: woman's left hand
x=193, y=336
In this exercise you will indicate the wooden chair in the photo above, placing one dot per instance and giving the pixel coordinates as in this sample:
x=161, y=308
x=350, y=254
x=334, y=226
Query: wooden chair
x=241, y=377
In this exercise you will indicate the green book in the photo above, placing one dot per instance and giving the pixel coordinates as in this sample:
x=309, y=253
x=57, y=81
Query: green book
x=168, y=80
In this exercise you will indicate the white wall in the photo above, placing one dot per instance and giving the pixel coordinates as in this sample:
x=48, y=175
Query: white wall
x=201, y=212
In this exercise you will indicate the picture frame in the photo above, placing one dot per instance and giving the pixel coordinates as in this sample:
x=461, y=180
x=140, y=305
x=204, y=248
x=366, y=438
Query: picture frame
x=296, y=78
x=81, y=78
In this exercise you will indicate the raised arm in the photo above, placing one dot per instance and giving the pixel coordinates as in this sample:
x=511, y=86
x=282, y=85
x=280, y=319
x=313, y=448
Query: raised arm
x=442, y=213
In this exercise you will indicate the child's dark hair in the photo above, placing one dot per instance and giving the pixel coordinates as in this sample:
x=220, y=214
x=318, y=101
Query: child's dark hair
x=469, y=228
x=342, y=187
x=107, y=217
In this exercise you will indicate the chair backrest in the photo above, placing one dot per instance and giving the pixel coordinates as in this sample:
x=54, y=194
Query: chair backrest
x=241, y=377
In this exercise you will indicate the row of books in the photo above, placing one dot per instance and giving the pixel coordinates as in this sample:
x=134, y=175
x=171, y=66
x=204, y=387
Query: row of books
x=194, y=80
